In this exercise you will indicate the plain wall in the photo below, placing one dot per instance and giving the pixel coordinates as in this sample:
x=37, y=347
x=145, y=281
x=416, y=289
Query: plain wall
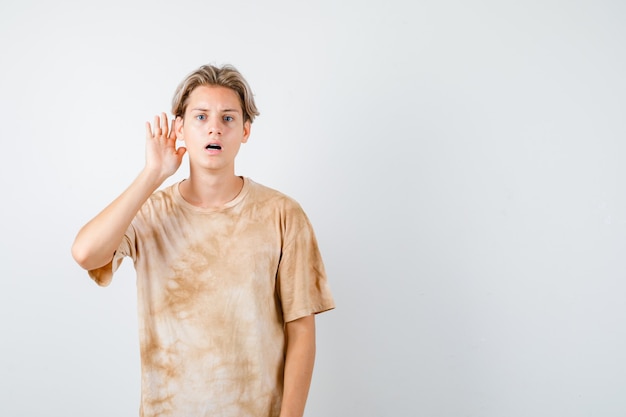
x=461, y=161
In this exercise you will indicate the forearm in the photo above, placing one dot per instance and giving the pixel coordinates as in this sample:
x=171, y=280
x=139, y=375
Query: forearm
x=96, y=242
x=299, y=361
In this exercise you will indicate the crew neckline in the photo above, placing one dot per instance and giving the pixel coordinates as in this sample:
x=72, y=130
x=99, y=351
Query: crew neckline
x=184, y=203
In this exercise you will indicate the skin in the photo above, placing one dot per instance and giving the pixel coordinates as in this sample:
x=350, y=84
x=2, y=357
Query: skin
x=300, y=336
x=213, y=115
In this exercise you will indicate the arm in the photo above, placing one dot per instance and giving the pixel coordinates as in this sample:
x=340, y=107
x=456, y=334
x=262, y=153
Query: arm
x=96, y=241
x=299, y=360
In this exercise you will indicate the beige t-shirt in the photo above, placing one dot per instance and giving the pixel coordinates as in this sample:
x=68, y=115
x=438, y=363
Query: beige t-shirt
x=215, y=288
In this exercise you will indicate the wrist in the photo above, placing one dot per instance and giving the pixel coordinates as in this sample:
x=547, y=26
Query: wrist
x=152, y=177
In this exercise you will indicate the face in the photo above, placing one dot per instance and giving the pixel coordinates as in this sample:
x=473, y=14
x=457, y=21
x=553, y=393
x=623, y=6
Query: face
x=213, y=129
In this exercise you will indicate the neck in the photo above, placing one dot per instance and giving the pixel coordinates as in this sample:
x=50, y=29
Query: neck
x=211, y=191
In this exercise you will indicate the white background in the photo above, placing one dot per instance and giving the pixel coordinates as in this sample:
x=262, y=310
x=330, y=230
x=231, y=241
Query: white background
x=461, y=161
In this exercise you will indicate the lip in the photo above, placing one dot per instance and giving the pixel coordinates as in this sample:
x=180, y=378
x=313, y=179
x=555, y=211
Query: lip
x=213, y=147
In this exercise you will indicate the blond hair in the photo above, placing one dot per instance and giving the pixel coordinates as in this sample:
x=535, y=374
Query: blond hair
x=225, y=76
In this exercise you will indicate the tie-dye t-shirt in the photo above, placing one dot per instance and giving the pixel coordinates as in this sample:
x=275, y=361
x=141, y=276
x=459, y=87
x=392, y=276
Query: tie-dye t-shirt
x=215, y=288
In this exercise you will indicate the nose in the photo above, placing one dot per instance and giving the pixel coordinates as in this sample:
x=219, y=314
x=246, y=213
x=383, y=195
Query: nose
x=215, y=127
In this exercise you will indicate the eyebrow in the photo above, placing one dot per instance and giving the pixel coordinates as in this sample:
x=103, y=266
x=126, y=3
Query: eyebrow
x=222, y=111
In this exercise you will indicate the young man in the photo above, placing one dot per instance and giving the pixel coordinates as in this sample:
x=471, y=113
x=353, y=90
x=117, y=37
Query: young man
x=229, y=275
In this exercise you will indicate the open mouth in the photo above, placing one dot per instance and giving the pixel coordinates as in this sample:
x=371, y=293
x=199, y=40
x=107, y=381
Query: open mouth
x=213, y=146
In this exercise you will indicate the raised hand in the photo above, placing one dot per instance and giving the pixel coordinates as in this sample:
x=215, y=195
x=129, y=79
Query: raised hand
x=161, y=153
x=100, y=237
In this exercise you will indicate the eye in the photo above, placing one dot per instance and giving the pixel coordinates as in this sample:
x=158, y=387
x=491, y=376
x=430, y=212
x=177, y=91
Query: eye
x=228, y=118
x=201, y=117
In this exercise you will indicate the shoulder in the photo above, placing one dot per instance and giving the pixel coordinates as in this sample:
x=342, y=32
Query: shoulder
x=260, y=193
x=276, y=207
x=161, y=201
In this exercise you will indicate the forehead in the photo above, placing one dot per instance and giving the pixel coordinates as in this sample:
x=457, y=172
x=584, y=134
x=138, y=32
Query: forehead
x=210, y=96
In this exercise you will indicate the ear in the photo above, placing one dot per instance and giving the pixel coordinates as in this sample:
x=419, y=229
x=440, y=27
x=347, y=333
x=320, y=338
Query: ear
x=178, y=128
x=246, y=131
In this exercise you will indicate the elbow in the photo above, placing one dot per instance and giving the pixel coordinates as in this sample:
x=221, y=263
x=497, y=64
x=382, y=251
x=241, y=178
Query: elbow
x=85, y=258
x=80, y=255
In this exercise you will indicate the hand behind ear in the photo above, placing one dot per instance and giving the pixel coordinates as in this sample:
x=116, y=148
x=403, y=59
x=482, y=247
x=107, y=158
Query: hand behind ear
x=177, y=127
x=161, y=153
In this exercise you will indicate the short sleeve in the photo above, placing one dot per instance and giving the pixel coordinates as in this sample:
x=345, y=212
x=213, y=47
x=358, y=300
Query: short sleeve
x=302, y=283
x=104, y=275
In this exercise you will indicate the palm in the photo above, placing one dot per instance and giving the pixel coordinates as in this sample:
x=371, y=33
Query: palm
x=161, y=152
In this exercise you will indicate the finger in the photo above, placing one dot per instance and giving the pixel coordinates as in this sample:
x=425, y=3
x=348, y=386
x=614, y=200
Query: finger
x=172, y=131
x=148, y=129
x=157, y=126
x=164, y=124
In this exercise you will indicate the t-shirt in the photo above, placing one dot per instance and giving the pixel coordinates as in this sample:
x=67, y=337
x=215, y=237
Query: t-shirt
x=215, y=288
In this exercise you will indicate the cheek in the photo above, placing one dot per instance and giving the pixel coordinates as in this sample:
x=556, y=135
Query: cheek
x=193, y=128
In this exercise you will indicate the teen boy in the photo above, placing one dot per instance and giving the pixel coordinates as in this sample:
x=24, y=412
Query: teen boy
x=229, y=275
